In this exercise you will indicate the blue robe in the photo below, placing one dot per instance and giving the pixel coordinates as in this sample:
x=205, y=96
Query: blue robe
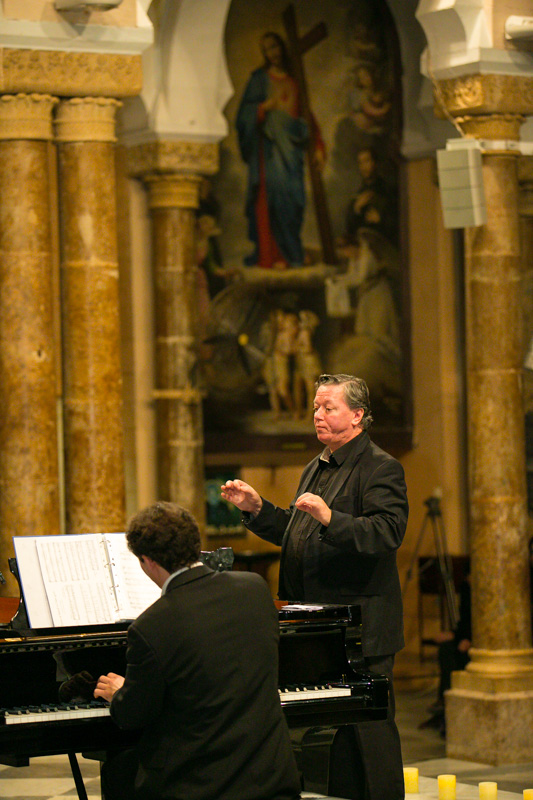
x=284, y=139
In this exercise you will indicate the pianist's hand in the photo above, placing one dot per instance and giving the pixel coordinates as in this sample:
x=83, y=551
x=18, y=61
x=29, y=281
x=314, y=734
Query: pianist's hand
x=315, y=506
x=107, y=685
x=242, y=495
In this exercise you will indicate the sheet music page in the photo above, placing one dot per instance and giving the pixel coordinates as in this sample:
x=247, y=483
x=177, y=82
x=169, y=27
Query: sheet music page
x=33, y=590
x=134, y=590
x=77, y=579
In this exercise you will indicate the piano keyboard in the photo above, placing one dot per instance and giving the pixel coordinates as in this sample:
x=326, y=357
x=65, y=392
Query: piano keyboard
x=23, y=716
x=31, y=714
x=326, y=692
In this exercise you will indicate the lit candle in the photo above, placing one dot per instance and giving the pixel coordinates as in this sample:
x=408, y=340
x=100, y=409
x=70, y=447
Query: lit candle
x=488, y=790
x=446, y=787
x=410, y=777
x=528, y=794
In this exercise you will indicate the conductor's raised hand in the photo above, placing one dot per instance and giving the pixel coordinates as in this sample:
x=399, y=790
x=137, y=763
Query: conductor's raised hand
x=314, y=505
x=242, y=495
x=107, y=685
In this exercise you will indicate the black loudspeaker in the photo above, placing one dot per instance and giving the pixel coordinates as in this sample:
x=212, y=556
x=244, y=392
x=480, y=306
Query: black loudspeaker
x=461, y=184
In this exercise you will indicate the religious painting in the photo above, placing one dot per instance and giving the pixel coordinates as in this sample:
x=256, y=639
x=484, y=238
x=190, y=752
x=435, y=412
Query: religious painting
x=299, y=235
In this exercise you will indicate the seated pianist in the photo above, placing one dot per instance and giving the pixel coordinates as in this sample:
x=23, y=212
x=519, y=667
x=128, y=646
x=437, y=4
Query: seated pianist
x=201, y=679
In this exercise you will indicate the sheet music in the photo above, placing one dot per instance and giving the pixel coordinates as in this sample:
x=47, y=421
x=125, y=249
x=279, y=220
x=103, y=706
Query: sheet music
x=134, y=590
x=77, y=579
x=81, y=579
x=39, y=615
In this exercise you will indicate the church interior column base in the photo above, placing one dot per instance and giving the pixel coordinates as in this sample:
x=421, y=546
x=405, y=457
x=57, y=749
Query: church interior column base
x=489, y=727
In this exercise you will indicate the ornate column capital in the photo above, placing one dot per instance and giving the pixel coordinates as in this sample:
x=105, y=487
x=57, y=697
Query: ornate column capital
x=70, y=74
x=505, y=99
x=86, y=119
x=174, y=157
x=26, y=116
x=173, y=191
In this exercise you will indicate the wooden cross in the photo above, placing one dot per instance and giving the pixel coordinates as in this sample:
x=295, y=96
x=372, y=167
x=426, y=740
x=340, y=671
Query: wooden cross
x=297, y=47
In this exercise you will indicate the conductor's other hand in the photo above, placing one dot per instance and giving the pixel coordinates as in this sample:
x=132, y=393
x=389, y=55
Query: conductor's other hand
x=242, y=495
x=107, y=685
x=314, y=505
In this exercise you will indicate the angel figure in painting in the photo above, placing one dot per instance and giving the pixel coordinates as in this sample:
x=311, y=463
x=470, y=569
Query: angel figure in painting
x=277, y=370
x=307, y=366
x=371, y=102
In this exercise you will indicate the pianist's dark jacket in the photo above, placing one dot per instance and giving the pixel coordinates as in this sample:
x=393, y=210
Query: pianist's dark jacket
x=202, y=683
x=353, y=560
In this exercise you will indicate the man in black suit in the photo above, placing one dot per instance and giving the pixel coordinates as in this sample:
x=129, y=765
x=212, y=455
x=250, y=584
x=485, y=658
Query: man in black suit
x=338, y=545
x=201, y=679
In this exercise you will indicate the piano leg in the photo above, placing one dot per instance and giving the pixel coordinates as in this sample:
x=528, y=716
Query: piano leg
x=329, y=761
x=76, y=774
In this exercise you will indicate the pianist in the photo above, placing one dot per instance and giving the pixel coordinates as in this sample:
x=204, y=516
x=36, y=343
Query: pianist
x=338, y=545
x=201, y=679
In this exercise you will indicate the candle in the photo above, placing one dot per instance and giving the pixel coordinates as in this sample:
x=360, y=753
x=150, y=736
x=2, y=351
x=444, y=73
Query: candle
x=488, y=790
x=446, y=787
x=410, y=777
x=528, y=794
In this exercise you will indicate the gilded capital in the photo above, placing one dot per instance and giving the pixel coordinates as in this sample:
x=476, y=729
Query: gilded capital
x=492, y=126
x=70, y=74
x=86, y=119
x=505, y=96
x=178, y=157
x=26, y=116
x=173, y=191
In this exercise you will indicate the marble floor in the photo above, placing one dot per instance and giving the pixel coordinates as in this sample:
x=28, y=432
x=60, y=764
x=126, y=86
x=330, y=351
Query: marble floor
x=51, y=779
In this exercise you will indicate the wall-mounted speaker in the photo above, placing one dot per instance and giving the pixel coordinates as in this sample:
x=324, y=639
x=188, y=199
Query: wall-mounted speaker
x=461, y=184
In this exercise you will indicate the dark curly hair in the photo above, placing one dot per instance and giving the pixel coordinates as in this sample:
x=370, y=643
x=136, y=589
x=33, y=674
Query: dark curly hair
x=166, y=533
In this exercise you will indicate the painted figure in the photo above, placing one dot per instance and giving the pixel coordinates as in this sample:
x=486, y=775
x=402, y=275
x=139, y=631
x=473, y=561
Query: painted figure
x=273, y=138
x=307, y=366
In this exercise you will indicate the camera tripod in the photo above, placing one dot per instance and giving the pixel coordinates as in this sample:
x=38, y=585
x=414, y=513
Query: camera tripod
x=434, y=516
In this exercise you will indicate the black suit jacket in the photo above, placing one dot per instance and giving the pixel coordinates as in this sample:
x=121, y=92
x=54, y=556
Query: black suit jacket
x=353, y=559
x=202, y=683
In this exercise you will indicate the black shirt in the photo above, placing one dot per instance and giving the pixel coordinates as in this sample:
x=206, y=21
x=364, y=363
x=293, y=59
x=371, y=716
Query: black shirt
x=327, y=466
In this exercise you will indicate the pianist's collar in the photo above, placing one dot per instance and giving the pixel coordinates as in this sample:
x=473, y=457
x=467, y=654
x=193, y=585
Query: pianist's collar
x=178, y=572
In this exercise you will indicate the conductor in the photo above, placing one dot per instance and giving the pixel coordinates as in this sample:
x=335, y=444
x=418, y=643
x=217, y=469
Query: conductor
x=338, y=544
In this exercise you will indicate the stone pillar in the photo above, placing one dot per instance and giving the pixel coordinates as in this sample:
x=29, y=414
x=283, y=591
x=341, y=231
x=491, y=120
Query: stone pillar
x=172, y=172
x=29, y=498
x=525, y=179
x=93, y=427
x=489, y=710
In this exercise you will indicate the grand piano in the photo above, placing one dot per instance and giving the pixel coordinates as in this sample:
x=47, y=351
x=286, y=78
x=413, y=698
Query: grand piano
x=322, y=687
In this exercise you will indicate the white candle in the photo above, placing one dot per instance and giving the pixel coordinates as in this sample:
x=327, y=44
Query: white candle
x=528, y=794
x=488, y=790
x=446, y=787
x=410, y=777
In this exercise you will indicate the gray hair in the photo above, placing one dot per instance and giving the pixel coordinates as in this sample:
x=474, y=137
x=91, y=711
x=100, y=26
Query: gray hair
x=356, y=394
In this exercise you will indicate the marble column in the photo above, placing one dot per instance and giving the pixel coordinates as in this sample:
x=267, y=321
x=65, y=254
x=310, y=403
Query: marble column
x=93, y=425
x=489, y=710
x=525, y=205
x=172, y=173
x=29, y=497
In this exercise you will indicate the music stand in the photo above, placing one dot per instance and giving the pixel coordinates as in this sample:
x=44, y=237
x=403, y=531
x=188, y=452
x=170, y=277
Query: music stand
x=434, y=516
